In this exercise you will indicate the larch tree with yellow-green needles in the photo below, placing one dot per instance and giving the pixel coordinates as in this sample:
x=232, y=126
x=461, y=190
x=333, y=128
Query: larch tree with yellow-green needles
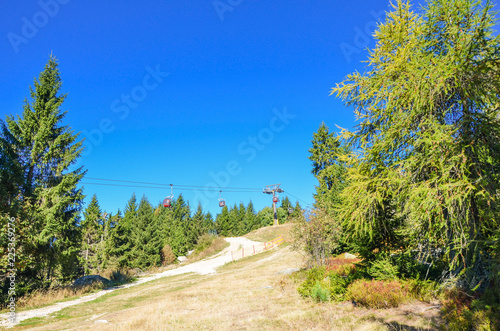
x=424, y=174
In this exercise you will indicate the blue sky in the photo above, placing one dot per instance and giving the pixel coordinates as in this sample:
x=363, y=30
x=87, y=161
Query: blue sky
x=204, y=93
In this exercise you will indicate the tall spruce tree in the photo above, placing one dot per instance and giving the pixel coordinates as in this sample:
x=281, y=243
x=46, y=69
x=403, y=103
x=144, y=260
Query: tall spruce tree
x=110, y=235
x=329, y=169
x=196, y=224
x=92, y=231
x=222, y=222
x=426, y=176
x=122, y=237
x=250, y=218
x=179, y=238
x=146, y=237
x=241, y=227
x=234, y=221
x=41, y=147
x=208, y=223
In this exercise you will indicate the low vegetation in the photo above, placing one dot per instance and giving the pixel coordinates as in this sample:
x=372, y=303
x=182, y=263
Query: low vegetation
x=377, y=293
x=207, y=246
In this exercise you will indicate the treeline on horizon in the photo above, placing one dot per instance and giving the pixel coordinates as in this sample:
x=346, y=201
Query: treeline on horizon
x=48, y=239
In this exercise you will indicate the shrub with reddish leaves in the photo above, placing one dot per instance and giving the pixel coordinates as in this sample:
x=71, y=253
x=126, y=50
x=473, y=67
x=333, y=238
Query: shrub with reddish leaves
x=341, y=266
x=376, y=293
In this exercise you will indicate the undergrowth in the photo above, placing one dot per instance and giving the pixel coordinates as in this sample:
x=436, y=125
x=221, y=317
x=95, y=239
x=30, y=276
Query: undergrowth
x=208, y=245
x=391, y=281
x=374, y=285
x=471, y=311
x=377, y=293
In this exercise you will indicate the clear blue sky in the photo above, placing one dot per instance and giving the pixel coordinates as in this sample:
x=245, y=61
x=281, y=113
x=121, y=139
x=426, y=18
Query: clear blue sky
x=191, y=92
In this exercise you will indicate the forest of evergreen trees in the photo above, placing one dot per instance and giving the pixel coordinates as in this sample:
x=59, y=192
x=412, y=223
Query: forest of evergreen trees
x=137, y=238
x=54, y=237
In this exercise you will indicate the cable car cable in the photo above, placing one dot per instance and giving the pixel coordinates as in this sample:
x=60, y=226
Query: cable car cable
x=288, y=192
x=178, y=185
x=162, y=188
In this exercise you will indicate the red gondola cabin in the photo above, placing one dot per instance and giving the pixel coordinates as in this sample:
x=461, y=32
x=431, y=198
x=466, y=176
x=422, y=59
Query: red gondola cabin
x=222, y=203
x=167, y=203
x=275, y=199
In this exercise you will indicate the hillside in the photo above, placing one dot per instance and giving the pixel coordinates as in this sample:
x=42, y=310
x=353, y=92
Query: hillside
x=249, y=293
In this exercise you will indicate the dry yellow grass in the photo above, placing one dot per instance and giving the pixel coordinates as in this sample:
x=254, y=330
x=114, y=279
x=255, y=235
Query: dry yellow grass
x=247, y=294
x=271, y=232
x=41, y=298
x=218, y=244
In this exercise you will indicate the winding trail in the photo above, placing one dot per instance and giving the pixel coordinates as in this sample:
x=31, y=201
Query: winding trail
x=203, y=267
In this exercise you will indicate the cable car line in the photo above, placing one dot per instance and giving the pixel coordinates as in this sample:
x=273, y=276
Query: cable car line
x=288, y=193
x=177, y=185
x=163, y=188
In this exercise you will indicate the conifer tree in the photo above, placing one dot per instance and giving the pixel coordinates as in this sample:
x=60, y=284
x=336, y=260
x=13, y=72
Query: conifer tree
x=240, y=225
x=328, y=168
x=298, y=212
x=123, y=233
x=92, y=233
x=179, y=239
x=222, y=222
x=249, y=221
x=197, y=224
x=146, y=237
x=285, y=207
x=42, y=148
x=232, y=228
x=111, y=240
x=265, y=217
x=208, y=223
x=426, y=173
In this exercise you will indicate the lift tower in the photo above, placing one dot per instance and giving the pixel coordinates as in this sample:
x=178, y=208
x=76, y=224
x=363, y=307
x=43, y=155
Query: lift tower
x=273, y=189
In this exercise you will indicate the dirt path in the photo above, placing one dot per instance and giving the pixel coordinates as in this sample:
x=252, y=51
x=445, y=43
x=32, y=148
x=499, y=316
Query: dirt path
x=203, y=267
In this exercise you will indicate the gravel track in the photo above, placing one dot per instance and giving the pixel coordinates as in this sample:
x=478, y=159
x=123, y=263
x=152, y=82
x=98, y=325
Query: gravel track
x=203, y=267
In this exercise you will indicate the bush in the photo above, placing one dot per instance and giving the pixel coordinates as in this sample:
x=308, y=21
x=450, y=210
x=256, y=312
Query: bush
x=466, y=311
x=383, y=269
x=320, y=294
x=167, y=255
x=319, y=237
x=340, y=265
x=376, y=294
x=313, y=275
x=204, y=241
x=41, y=297
x=337, y=286
x=118, y=276
x=331, y=281
x=208, y=245
x=423, y=290
x=407, y=265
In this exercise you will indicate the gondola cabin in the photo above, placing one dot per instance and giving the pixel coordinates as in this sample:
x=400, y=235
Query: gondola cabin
x=167, y=203
x=222, y=203
x=275, y=199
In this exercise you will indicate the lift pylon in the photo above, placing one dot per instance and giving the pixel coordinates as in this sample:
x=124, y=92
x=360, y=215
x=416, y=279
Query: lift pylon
x=273, y=189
